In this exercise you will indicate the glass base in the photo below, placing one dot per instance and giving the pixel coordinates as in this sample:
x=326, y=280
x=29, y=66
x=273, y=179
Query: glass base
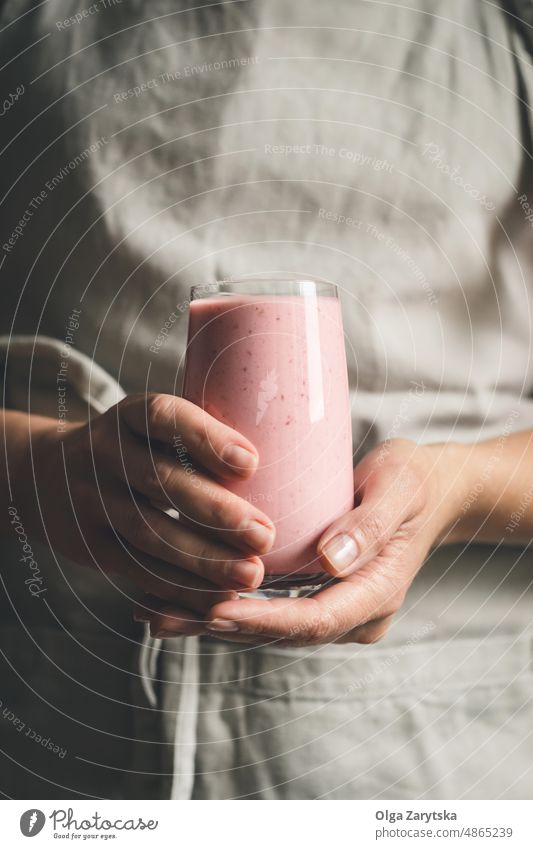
x=280, y=586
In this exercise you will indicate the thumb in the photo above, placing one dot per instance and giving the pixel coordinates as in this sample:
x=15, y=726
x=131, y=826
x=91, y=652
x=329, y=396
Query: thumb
x=357, y=537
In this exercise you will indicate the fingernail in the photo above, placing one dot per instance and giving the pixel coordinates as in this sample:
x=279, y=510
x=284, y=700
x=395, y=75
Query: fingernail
x=246, y=573
x=341, y=552
x=138, y=616
x=259, y=537
x=161, y=635
x=222, y=625
x=240, y=458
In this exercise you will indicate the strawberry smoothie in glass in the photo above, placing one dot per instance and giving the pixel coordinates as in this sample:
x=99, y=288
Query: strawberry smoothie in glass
x=267, y=357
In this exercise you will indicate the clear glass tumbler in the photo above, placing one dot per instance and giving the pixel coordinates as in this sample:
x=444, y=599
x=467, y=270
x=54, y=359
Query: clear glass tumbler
x=267, y=357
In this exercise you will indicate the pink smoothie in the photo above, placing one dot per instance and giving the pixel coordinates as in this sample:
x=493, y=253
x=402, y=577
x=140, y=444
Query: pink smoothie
x=274, y=368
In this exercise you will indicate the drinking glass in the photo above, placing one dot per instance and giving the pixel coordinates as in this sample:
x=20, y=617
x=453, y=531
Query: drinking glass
x=267, y=357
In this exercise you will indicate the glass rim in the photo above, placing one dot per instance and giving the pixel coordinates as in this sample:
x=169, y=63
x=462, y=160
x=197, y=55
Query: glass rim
x=300, y=285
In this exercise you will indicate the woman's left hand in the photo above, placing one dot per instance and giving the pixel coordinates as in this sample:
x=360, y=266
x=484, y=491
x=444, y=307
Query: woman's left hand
x=406, y=501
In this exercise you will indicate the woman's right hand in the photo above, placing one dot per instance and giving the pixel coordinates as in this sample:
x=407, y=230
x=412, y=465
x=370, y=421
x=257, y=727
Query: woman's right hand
x=101, y=490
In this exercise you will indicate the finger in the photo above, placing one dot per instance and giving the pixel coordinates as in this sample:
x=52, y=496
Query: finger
x=284, y=618
x=176, y=586
x=214, y=509
x=323, y=617
x=167, y=539
x=389, y=498
x=172, y=621
x=373, y=632
x=191, y=432
x=167, y=621
x=157, y=578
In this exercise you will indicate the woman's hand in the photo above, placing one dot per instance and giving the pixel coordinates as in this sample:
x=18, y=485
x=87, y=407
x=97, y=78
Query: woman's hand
x=404, y=506
x=102, y=489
